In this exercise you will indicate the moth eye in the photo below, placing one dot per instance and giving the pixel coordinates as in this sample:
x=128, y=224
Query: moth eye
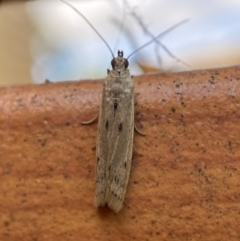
x=113, y=63
x=120, y=127
x=115, y=105
x=126, y=63
x=125, y=164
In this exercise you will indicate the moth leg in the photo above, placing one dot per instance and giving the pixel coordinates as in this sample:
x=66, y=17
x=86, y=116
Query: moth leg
x=90, y=121
x=138, y=131
x=125, y=204
x=135, y=149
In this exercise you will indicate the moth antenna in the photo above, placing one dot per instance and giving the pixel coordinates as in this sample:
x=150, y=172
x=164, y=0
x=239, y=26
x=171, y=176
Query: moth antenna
x=160, y=35
x=89, y=23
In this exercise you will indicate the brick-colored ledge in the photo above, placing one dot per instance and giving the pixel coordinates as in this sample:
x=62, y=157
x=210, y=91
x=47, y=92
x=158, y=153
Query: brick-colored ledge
x=186, y=186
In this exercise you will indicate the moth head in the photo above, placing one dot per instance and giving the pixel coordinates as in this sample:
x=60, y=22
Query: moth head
x=119, y=62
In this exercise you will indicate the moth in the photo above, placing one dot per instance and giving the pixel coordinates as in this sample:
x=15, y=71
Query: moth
x=115, y=135
x=115, y=129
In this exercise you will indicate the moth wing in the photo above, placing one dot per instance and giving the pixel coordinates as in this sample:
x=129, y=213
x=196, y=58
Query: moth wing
x=120, y=152
x=101, y=153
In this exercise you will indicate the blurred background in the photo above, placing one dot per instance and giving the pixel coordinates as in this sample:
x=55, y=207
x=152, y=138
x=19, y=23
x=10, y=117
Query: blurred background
x=48, y=40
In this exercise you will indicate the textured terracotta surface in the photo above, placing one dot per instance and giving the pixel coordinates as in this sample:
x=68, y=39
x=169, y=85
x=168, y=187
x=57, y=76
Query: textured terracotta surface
x=186, y=186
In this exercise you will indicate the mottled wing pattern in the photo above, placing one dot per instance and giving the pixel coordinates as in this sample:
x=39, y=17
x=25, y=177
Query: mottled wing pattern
x=120, y=142
x=115, y=140
x=101, y=152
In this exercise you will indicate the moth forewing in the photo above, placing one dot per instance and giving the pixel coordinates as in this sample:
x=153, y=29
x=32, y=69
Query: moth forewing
x=115, y=136
x=101, y=154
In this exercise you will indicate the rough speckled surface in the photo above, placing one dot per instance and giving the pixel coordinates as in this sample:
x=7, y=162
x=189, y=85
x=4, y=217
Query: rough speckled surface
x=186, y=186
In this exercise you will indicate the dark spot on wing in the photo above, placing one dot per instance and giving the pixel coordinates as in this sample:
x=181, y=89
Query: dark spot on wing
x=120, y=127
x=125, y=164
x=115, y=195
x=115, y=105
x=107, y=125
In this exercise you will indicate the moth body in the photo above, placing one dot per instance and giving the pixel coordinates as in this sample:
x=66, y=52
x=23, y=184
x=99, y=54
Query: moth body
x=115, y=135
